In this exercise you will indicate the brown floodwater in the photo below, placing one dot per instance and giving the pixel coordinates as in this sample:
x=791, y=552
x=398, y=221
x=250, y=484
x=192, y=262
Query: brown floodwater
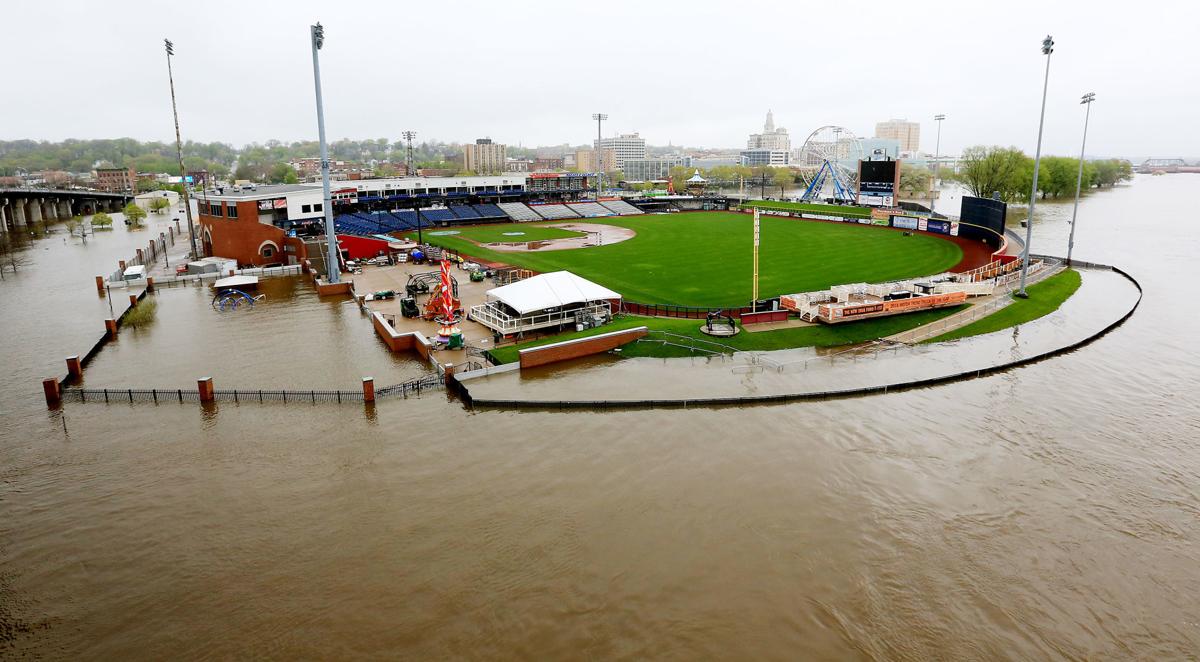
x=1051, y=511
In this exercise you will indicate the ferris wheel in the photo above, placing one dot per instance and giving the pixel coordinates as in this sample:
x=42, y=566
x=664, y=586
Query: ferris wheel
x=829, y=164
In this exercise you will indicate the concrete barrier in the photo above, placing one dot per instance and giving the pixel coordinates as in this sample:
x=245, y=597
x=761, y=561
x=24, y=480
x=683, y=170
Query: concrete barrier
x=573, y=349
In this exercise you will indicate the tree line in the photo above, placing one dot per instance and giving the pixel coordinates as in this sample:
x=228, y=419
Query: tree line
x=985, y=170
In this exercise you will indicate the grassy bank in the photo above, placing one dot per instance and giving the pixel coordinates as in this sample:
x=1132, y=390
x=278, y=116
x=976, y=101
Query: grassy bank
x=806, y=336
x=1044, y=298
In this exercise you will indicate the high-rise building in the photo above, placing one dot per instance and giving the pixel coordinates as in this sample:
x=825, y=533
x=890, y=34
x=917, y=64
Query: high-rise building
x=908, y=134
x=775, y=139
x=585, y=160
x=484, y=157
x=627, y=146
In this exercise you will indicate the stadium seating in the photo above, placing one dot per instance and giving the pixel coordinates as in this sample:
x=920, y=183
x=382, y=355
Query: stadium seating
x=590, y=209
x=555, y=212
x=464, y=211
x=490, y=211
x=517, y=211
x=438, y=215
x=621, y=207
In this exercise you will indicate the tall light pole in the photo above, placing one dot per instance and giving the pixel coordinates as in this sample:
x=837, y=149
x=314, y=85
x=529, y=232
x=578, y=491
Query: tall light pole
x=1047, y=49
x=408, y=164
x=1086, y=101
x=187, y=203
x=937, y=153
x=333, y=271
x=599, y=117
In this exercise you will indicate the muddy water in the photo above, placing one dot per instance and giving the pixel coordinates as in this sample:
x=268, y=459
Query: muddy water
x=1047, y=512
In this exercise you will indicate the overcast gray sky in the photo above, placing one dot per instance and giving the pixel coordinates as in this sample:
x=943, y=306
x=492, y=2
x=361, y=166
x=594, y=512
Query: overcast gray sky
x=695, y=73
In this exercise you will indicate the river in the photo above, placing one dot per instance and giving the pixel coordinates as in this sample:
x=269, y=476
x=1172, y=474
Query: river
x=1050, y=511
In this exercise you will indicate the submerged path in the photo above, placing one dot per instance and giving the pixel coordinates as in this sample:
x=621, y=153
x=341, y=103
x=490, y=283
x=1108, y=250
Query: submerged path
x=1104, y=300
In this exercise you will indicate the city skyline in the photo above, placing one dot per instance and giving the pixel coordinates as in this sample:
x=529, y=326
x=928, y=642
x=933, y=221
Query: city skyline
x=241, y=77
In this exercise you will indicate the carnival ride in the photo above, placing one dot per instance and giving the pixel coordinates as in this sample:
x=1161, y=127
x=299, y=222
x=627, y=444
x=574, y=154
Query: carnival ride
x=232, y=299
x=829, y=160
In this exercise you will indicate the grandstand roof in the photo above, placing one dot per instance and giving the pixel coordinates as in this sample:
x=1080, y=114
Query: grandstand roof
x=557, y=288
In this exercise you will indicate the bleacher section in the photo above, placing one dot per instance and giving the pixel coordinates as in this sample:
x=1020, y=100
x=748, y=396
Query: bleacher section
x=590, y=209
x=464, y=211
x=490, y=211
x=621, y=207
x=380, y=222
x=438, y=215
x=517, y=211
x=555, y=212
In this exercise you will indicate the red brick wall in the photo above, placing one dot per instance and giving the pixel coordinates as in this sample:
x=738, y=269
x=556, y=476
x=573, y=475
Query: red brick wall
x=764, y=316
x=573, y=349
x=239, y=238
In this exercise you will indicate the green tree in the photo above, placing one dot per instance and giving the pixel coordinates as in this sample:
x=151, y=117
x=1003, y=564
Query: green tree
x=985, y=170
x=784, y=178
x=134, y=214
x=914, y=180
x=101, y=220
x=159, y=205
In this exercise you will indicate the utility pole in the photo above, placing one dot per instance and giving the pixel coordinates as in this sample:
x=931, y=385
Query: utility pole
x=187, y=203
x=1086, y=101
x=1047, y=49
x=599, y=117
x=333, y=271
x=408, y=163
x=937, y=152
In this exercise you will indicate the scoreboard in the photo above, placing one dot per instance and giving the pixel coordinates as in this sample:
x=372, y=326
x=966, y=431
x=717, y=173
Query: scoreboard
x=878, y=183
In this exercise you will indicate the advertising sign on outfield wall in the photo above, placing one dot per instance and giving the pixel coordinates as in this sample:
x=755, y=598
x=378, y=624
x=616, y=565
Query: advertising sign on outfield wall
x=953, y=229
x=904, y=222
x=940, y=227
x=921, y=224
x=822, y=217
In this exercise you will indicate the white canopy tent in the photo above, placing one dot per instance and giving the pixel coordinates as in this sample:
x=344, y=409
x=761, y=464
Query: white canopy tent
x=546, y=300
x=553, y=290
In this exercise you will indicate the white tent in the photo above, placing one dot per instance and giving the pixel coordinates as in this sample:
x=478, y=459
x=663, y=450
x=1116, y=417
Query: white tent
x=552, y=290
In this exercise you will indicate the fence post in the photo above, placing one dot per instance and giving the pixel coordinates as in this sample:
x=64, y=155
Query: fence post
x=110, y=325
x=74, y=368
x=150, y=283
x=368, y=387
x=133, y=300
x=52, y=390
x=100, y=284
x=205, y=386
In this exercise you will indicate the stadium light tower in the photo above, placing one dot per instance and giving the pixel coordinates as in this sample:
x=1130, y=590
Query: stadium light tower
x=599, y=117
x=408, y=162
x=1086, y=101
x=333, y=271
x=937, y=153
x=187, y=203
x=1047, y=49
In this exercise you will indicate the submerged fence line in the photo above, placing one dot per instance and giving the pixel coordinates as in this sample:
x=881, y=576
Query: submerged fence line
x=238, y=395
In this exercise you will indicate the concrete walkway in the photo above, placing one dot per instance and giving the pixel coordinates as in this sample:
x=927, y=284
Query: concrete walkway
x=1103, y=300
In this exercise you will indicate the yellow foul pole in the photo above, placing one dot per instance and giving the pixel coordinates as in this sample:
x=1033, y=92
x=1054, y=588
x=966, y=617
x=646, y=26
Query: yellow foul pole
x=754, y=300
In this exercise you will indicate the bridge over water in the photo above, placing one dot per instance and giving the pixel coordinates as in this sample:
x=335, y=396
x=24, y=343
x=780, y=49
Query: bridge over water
x=1166, y=165
x=21, y=206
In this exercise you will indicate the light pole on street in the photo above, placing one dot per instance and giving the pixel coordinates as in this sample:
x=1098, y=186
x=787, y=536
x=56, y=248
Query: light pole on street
x=1047, y=49
x=333, y=272
x=937, y=154
x=599, y=117
x=187, y=204
x=1086, y=101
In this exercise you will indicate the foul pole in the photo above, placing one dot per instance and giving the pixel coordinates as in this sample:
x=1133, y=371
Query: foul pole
x=754, y=288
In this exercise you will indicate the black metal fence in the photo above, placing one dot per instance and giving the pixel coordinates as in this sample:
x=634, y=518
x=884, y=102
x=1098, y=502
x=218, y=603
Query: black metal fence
x=156, y=395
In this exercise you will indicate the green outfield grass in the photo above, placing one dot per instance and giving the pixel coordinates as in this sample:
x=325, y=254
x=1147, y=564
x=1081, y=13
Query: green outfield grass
x=1044, y=298
x=821, y=335
x=814, y=207
x=704, y=258
x=486, y=234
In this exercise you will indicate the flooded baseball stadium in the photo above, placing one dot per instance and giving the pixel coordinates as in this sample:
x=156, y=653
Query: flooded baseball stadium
x=1047, y=511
